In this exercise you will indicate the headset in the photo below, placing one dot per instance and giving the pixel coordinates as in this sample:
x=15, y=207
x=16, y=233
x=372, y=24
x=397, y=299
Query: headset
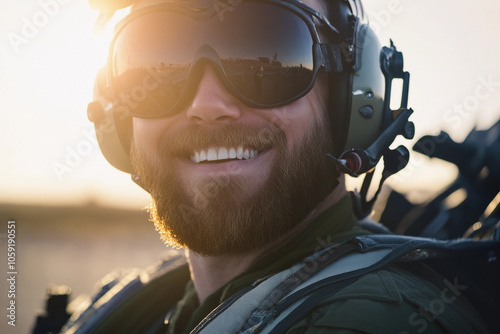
x=362, y=122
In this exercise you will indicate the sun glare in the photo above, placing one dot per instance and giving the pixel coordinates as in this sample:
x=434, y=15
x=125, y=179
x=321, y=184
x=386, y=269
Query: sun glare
x=53, y=54
x=50, y=55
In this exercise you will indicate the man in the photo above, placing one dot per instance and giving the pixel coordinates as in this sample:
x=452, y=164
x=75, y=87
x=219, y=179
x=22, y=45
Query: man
x=237, y=165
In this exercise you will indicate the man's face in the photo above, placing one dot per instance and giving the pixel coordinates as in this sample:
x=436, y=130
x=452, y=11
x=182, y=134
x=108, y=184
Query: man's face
x=228, y=179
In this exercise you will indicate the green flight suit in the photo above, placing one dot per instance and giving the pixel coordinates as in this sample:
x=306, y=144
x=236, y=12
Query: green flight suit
x=399, y=299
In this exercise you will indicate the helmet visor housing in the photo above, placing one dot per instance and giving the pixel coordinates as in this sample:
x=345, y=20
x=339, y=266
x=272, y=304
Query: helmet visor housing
x=267, y=54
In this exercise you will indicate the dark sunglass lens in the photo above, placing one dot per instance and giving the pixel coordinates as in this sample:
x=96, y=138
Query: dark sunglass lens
x=151, y=62
x=267, y=53
x=149, y=92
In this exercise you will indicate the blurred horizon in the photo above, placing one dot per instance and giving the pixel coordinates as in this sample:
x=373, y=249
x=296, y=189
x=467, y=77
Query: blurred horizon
x=75, y=246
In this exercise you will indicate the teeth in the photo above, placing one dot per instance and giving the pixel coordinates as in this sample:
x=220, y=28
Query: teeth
x=239, y=152
x=211, y=154
x=223, y=153
x=203, y=155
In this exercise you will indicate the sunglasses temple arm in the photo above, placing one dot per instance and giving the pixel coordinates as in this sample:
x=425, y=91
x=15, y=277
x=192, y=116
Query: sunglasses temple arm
x=330, y=57
x=321, y=18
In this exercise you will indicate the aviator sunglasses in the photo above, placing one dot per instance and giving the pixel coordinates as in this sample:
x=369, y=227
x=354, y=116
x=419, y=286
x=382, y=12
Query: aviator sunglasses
x=266, y=53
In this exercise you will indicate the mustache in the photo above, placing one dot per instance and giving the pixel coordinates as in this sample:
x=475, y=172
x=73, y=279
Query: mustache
x=182, y=141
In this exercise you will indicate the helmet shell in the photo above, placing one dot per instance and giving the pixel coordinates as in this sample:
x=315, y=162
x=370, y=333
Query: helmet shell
x=367, y=93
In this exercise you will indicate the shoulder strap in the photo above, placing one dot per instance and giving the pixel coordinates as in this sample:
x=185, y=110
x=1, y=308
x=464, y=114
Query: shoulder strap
x=402, y=248
x=242, y=310
x=270, y=306
x=136, y=303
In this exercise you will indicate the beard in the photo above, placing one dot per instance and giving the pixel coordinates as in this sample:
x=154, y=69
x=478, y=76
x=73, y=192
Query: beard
x=219, y=215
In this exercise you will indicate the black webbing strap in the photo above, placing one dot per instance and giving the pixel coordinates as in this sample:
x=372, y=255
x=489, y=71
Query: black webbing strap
x=332, y=57
x=307, y=305
x=312, y=265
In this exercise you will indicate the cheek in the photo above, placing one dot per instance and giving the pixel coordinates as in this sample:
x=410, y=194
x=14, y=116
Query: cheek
x=319, y=95
x=147, y=133
x=302, y=116
x=296, y=123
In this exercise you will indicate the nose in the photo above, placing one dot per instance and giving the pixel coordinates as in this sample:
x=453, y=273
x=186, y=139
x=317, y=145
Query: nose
x=212, y=102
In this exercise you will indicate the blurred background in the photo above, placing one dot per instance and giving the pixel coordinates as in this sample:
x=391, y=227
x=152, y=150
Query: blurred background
x=78, y=218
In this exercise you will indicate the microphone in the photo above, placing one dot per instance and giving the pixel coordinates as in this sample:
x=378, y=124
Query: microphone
x=358, y=161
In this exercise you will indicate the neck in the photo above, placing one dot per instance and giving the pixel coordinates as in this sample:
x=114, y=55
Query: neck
x=209, y=273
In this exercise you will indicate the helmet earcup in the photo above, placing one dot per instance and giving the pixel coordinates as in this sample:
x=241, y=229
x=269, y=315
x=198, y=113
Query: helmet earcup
x=113, y=128
x=366, y=114
x=356, y=94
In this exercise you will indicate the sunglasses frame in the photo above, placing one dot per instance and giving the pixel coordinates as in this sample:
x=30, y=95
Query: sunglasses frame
x=326, y=56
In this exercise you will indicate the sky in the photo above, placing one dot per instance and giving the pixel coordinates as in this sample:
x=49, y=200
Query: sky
x=49, y=56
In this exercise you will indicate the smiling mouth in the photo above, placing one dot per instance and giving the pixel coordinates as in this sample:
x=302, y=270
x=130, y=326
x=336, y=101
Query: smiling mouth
x=223, y=154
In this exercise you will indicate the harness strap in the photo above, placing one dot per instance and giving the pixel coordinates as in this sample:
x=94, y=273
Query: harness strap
x=301, y=302
x=302, y=309
x=254, y=308
x=311, y=266
x=324, y=284
x=267, y=309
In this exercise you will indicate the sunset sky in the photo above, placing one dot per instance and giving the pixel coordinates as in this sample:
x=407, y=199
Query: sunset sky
x=451, y=49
